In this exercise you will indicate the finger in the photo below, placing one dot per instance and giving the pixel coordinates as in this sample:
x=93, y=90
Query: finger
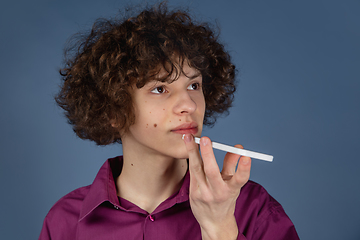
x=195, y=161
x=242, y=173
x=211, y=168
x=229, y=165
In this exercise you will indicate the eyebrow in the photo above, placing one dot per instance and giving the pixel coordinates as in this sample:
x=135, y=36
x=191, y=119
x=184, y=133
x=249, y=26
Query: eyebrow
x=196, y=75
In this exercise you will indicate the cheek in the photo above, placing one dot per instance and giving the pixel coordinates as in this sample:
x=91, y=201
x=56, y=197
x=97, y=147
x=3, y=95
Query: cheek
x=201, y=104
x=151, y=120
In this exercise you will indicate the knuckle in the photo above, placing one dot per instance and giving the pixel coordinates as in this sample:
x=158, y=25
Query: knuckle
x=191, y=149
x=241, y=179
x=197, y=168
x=207, y=197
x=210, y=172
x=239, y=146
x=206, y=153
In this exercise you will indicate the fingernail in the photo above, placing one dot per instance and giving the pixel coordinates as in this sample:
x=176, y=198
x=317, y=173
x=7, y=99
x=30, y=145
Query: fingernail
x=245, y=161
x=204, y=141
x=187, y=137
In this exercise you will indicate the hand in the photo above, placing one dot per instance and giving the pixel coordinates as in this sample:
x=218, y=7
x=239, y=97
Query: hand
x=213, y=193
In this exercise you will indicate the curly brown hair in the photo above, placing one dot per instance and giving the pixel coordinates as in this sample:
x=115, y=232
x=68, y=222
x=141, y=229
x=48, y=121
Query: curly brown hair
x=101, y=68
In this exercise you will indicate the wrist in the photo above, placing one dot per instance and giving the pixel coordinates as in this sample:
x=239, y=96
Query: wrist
x=226, y=230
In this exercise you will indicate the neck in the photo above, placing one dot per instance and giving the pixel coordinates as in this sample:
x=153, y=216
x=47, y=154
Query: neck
x=148, y=181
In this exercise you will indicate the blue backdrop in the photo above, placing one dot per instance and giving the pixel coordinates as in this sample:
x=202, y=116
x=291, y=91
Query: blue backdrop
x=298, y=99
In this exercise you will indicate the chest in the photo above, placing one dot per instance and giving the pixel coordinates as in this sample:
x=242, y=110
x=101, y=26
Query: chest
x=107, y=222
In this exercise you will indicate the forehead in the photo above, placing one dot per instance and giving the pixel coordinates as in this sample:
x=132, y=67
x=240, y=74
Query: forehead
x=171, y=72
x=167, y=71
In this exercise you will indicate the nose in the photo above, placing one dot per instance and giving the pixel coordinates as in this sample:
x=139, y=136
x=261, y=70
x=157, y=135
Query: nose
x=184, y=104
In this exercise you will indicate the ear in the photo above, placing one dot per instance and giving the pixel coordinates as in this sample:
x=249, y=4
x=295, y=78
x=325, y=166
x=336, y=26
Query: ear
x=114, y=123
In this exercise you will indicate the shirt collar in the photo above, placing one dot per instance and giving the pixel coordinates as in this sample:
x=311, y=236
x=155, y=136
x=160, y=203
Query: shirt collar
x=103, y=189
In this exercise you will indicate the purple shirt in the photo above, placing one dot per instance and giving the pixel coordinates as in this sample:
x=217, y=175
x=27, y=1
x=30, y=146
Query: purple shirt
x=96, y=212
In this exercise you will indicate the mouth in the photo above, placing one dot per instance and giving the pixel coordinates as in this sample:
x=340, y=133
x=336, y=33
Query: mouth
x=186, y=128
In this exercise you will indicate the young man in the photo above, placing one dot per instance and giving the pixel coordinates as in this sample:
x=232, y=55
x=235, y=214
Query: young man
x=150, y=82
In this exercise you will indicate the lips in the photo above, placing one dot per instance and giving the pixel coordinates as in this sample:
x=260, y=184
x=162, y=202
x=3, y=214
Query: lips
x=186, y=128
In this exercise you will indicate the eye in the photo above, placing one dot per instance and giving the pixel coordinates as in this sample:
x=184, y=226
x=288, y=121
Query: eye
x=194, y=86
x=158, y=90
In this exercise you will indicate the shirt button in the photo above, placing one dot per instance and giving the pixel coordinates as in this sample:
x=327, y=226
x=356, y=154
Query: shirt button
x=151, y=218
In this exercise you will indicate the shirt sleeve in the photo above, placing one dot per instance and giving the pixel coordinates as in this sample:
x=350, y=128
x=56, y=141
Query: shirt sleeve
x=61, y=221
x=241, y=237
x=261, y=217
x=276, y=226
x=45, y=233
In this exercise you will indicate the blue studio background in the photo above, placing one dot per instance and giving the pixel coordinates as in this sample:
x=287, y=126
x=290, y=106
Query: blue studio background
x=298, y=99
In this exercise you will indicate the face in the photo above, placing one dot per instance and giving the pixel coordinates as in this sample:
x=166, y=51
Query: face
x=164, y=112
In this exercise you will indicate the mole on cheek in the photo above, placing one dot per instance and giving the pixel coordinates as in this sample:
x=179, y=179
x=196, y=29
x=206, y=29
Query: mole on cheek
x=147, y=125
x=180, y=120
x=155, y=125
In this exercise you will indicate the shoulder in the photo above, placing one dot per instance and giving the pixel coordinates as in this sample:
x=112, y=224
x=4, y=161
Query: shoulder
x=70, y=203
x=255, y=196
x=259, y=214
x=65, y=214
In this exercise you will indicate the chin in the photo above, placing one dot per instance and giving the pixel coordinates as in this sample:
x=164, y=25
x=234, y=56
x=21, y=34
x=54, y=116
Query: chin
x=180, y=153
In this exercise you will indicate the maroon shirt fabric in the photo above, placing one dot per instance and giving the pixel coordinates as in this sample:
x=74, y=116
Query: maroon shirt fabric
x=96, y=212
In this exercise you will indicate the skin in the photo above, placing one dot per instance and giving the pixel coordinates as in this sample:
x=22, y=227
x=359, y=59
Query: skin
x=155, y=156
x=213, y=193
